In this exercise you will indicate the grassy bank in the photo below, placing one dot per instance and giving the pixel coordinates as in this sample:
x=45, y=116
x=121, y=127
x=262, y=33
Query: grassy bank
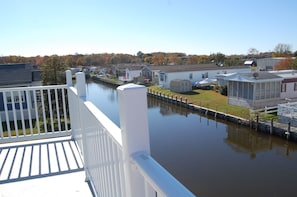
x=207, y=98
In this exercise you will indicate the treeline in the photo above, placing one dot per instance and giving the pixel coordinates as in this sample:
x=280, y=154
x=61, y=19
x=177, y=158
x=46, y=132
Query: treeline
x=75, y=60
x=158, y=58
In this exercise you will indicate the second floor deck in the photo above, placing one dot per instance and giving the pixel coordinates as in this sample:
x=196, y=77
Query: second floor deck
x=77, y=138
x=48, y=167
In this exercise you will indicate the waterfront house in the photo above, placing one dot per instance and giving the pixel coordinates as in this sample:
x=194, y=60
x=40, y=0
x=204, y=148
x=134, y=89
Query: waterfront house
x=288, y=85
x=163, y=75
x=129, y=72
x=254, y=90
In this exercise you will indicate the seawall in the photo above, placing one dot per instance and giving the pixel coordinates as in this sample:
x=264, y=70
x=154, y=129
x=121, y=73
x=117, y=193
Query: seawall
x=285, y=131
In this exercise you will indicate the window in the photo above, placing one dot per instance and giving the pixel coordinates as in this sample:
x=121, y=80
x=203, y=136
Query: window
x=295, y=86
x=15, y=96
x=283, y=87
x=191, y=76
x=235, y=87
x=245, y=90
x=257, y=91
x=251, y=91
x=205, y=75
x=267, y=90
x=162, y=76
x=277, y=88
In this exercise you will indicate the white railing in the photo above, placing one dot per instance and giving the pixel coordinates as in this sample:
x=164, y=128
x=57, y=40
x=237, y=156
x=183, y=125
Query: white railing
x=265, y=110
x=117, y=160
x=28, y=113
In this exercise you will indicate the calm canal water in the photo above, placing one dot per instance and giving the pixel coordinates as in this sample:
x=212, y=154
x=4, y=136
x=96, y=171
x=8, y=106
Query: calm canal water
x=212, y=157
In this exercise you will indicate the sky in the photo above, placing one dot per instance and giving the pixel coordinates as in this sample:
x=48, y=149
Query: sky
x=201, y=27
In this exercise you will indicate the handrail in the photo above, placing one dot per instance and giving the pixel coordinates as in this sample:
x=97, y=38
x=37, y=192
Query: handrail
x=36, y=112
x=107, y=149
x=158, y=177
x=33, y=88
x=110, y=126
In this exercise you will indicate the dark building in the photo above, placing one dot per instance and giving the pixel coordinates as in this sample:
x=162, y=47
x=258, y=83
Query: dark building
x=23, y=74
x=16, y=75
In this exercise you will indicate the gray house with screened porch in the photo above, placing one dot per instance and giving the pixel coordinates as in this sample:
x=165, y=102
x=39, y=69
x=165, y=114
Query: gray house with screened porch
x=254, y=90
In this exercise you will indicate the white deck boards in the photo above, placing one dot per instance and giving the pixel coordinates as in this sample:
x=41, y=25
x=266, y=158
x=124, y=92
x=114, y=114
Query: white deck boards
x=52, y=167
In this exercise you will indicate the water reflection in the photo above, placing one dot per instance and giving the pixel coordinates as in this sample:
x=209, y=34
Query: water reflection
x=243, y=140
x=166, y=109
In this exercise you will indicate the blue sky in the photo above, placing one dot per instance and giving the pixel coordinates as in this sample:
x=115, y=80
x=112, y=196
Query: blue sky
x=46, y=27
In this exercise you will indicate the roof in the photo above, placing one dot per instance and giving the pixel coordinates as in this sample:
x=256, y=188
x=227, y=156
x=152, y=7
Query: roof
x=135, y=67
x=130, y=66
x=286, y=74
x=15, y=66
x=249, y=62
x=275, y=58
x=15, y=74
x=195, y=67
x=256, y=77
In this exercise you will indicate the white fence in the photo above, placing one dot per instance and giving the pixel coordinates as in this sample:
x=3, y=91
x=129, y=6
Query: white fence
x=28, y=113
x=287, y=112
x=117, y=160
x=265, y=110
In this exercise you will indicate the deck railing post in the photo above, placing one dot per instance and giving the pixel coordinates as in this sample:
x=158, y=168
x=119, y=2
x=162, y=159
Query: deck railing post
x=81, y=85
x=135, y=133
x=68, y=78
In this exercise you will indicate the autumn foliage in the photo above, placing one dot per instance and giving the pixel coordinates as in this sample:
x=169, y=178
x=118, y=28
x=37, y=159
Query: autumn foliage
x=284, y=64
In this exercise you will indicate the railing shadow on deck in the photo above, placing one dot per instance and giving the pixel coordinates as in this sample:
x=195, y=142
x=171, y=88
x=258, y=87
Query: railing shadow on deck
x=21, y=162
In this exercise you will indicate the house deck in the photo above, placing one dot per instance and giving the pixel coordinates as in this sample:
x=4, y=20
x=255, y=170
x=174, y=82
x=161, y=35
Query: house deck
x=51, y=167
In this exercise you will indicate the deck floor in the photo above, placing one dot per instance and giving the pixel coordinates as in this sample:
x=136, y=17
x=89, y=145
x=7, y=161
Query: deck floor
x=51, y=167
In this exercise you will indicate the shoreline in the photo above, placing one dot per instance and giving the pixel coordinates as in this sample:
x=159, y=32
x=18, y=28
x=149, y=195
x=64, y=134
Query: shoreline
x=285, y=131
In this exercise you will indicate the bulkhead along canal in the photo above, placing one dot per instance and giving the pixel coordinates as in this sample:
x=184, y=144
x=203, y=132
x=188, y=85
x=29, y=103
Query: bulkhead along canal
x=211, y=157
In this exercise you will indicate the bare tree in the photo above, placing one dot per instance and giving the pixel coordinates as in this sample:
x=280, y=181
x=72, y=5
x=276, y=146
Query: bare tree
x=282, y=49
x=253, y=51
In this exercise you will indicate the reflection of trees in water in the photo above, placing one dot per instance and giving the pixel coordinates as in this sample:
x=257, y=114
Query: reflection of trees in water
x=112, y=92
x=112, y=95
x=239, y=138
x=166, y=108
x=244, y=140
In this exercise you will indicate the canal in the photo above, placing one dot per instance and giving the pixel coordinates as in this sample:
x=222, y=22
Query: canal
x=211, y=157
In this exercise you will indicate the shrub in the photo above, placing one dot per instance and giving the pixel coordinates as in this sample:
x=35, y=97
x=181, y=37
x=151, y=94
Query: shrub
x=223, y=90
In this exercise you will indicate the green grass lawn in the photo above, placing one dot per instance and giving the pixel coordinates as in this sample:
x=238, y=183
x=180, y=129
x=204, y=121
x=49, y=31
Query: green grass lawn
x=207, y=98
x=34, y=127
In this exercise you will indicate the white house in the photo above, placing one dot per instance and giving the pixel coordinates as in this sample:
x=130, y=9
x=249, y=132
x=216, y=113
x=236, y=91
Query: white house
x=194, y=73
x=289, y=83
x=128, y=72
